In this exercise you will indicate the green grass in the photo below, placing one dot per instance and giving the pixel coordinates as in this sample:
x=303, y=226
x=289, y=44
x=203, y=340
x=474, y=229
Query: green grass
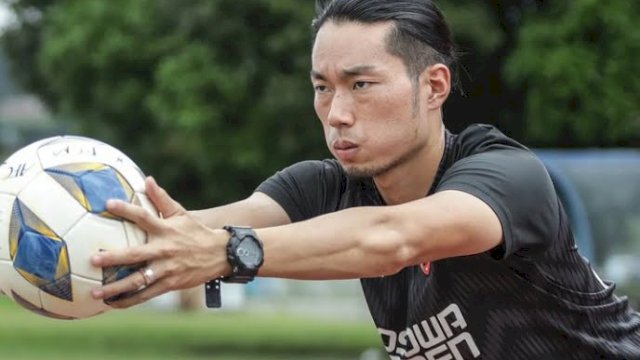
x=147, y=334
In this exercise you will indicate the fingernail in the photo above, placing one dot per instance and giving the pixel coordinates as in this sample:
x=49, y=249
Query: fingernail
x=97, y=294
x=96, y=260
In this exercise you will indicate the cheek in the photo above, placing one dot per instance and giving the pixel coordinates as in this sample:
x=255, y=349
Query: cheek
x=321, y=105
x=396, y=104
x=393, y=114
x=391, y=137
x=395, y=123
x=318, y=109
x=322, y=113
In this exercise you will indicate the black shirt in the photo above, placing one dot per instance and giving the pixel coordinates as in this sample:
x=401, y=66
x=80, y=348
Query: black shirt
x=532, y=297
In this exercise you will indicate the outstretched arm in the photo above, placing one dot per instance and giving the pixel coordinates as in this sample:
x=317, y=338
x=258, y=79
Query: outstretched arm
x=374, y=241
x=353, y=243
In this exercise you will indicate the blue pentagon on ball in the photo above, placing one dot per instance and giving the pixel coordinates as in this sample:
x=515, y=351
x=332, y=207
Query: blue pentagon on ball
x=38, y=253
x=92, y=184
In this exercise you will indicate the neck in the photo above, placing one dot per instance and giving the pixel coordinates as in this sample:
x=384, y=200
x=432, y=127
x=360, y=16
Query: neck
x=413, y=179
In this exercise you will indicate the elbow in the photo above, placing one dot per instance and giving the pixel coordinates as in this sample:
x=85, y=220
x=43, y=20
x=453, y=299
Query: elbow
x=388, y=245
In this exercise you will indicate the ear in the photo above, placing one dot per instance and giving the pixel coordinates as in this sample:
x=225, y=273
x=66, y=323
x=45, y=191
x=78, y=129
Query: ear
x=437, y=80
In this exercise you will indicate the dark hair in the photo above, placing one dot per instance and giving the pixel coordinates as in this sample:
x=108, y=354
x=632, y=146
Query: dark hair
x=420, y=37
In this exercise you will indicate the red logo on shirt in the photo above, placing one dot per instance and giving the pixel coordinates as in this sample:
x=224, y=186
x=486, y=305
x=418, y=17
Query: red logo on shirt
x=426, y=268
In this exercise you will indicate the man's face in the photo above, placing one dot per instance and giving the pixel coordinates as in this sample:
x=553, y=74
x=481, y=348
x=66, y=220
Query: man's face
x=369, y=107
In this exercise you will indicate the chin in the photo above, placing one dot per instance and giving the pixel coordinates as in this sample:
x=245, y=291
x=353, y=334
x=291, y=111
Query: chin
x=363, y=171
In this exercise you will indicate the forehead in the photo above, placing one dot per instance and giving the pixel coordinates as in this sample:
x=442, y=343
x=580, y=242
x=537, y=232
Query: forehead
x=347, y=44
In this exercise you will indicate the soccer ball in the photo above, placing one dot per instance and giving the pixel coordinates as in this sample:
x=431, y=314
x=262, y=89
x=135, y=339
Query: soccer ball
x=53, y=218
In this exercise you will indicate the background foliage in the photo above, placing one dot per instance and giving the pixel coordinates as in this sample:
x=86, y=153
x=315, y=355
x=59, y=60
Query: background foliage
x=213, y=96
x=577, y=62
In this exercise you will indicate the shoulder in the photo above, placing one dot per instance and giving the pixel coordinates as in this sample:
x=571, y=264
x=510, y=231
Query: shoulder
x=478, y=138
x=484, y=150
x=512, y=181
x=510, y=174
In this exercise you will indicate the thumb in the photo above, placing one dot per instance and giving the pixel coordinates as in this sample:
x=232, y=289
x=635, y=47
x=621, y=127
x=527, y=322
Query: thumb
x=161, y=199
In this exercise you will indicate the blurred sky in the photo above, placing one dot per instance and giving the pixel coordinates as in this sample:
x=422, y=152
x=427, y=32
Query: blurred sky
x=5, y=15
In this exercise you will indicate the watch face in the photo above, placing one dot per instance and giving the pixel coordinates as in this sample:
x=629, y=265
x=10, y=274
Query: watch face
x=249, y=253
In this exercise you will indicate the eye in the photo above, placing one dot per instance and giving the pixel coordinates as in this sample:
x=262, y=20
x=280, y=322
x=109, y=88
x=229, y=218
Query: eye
x=359, y=85
x=319, y=88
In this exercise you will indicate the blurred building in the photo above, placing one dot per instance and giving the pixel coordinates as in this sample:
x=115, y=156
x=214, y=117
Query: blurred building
x=23, y=117
x=599, y=190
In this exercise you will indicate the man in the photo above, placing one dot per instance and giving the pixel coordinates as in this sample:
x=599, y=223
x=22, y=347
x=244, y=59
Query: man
x=461, y=243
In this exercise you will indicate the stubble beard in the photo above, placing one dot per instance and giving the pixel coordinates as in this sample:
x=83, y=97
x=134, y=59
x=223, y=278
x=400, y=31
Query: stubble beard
x=370, y=171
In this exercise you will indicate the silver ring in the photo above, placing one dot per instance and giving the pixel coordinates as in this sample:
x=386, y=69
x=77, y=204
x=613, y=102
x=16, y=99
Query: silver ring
x=149, y=276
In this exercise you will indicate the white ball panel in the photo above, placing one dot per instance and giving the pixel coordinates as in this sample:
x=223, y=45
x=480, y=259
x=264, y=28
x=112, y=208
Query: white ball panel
x=83, y=304
x=6, y=206
x=87, y=238
x=12, y=280
x=18, y=170
x=52, y=203
x=72, y=149
x=75, y=149
x=31, y=150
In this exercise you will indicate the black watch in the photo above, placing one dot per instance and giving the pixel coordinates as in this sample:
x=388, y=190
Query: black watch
x=244, y=253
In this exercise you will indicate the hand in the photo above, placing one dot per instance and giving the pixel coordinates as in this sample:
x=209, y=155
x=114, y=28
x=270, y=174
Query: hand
x=180, y=251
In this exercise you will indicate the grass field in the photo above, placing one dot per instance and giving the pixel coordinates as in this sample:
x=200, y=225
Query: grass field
x=148, y=334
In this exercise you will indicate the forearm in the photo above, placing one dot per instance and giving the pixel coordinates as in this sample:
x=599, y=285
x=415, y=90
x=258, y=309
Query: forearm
x=256, y=211
x=353, y=243
x=374, y=241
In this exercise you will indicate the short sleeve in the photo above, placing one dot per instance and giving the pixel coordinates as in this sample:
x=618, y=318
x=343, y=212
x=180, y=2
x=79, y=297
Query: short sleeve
x=516, y=185
x=306, y=189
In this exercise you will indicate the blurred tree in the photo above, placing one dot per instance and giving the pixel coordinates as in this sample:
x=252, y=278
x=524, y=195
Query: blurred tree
x=7, y=87
x=210, y=97
x=486, y=32
x=213, y=96
x=577, y=63
x=22, y=44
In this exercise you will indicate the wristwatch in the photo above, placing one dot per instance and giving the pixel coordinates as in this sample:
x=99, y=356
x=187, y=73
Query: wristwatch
x=244, y=253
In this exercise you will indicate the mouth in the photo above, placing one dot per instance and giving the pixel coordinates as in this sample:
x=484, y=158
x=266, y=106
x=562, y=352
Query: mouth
x=343, y=145
x=344, y=150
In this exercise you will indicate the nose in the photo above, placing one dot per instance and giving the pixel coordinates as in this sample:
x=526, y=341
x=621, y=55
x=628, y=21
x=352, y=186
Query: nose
x=341, y=111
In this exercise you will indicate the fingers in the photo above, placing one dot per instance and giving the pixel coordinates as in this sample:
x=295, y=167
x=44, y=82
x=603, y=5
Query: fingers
x=132, y=290
x=125, y=256
x=137, y=214
x=120, y=289
x=141, y=296
x=161, y=199
x=141, y=285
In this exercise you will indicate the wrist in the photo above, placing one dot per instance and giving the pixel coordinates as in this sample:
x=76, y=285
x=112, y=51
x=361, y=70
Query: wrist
x=245, y=254
x=219, y=252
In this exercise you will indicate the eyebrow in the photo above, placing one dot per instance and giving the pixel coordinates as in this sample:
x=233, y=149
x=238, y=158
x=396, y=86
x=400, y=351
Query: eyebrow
x=346, y=73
